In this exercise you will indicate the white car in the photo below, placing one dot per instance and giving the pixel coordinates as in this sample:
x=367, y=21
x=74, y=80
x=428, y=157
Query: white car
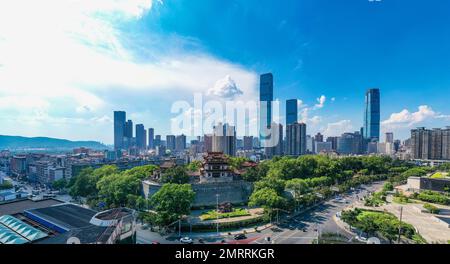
x=186, y=240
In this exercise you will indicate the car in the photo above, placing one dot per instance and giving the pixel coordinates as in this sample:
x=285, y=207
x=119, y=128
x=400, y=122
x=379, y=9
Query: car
x=239, y=236
x=291, y=227
x=304, y=230
x=186, y=240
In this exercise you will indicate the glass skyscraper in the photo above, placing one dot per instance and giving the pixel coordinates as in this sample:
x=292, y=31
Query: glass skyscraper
x=265, y=98
x=372, y=115
x=291, y=111
x=119, y=129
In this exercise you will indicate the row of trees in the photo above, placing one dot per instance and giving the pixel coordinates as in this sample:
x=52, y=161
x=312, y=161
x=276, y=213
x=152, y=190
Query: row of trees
x=377, y=223
x=310, y=178
x=107, y=187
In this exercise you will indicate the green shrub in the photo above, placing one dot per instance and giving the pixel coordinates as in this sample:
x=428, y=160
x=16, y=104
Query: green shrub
x=213, y=214
x=433, y=197
x=431, y=208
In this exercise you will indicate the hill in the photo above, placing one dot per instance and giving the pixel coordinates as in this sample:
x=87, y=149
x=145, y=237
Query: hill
x=22, y=143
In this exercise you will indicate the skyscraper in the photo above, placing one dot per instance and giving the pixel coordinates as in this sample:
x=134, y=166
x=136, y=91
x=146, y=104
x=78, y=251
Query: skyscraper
x=296, y=139
x=128, y=133
x=119, y=129
x=157, y=142
x=276, y=141
x=291, y=111
x=248, y=142
x=224, y=139
x=389, y=137
x=318, y=137
x=334, y=142
x=349, y=144
x=372, y=115
x=170, y=142
x=141, y=137
x=151, y=138
x=446, y=143
x=208, y=145
x=265, y=98
x=180, y=143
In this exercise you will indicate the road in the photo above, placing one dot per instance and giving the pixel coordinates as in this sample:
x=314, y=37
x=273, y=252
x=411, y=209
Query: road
x=302, y=229
x=306, y=227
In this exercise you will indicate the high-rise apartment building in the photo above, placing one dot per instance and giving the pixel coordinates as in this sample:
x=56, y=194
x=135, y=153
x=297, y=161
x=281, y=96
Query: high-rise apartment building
x=372, y=115
x=151, y=138
x=318, y=137
x=224, y=139
x=430, y=144
x=119, y=129
x=334, y=142
x=170, y=142
x=128, y=133
x=141, y=137
x=296, y=139
x=157, y=142
x=275, y=147
x=389, y=137
x=180, y=143
x=208, y=145
x=350, y=144
x=248, y=142
x=446, y=143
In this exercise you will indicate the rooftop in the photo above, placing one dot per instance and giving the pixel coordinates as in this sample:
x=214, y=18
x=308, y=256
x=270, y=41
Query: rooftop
x=68, y=216
x=18, y=206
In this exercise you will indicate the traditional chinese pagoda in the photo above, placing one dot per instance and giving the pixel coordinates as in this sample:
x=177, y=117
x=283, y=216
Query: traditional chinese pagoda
x=215, y=168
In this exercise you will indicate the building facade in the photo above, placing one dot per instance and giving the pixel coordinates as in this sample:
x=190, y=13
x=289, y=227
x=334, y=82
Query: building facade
x=296, y=139
x=372, y=115
x=119, y=129
x=265, y=98
x=291, y=111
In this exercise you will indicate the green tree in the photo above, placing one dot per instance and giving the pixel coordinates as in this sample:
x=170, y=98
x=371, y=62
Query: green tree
x=123, y=188
x=388, y=187
x=175, y=175
x=267, y=198
x=271, y=183
x=236, y=162
x=59, y=184
x=194, y=166
x=84, y=184
x=299, y=186
x=6, y=185
x=171, y=202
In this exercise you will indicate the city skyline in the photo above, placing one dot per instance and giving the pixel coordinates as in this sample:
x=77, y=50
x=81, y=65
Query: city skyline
x=140, y=56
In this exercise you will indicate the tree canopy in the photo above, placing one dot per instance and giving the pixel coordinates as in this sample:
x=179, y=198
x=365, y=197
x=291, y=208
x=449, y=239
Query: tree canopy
x=111, y=187
x=171, y=202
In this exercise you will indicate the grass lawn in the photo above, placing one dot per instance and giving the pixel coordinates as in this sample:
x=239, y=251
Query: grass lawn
x=213, y=214
x=401, y=200
x=439, y=175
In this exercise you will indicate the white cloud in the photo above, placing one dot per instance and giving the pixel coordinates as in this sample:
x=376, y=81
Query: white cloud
x=225, y=88
x=55, y=51
x=320, y=102
x=407, y=119
x=338, y=128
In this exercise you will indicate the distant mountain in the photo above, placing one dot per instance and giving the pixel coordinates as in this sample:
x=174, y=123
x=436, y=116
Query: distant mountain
x=21, y=143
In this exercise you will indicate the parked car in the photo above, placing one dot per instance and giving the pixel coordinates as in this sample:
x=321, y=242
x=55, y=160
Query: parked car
x=186, y=240
x=240, y=237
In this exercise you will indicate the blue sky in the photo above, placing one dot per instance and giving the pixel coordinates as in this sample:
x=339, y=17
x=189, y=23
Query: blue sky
x=140, y=56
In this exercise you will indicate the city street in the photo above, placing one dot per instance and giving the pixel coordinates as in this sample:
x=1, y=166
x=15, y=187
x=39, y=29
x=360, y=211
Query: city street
x=302, y=229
